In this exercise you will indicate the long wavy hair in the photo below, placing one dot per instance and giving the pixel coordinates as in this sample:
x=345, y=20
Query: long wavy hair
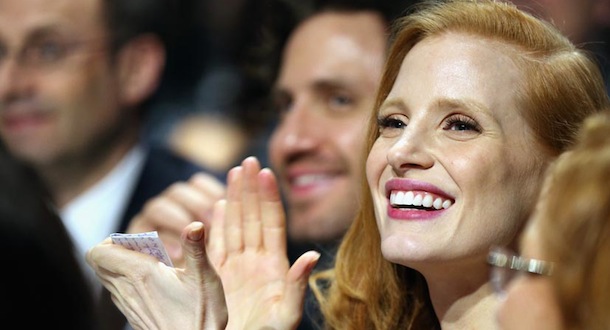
x=561, y=86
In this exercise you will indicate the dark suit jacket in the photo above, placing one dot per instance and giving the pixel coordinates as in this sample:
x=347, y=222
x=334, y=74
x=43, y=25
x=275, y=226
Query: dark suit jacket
x=162, y=168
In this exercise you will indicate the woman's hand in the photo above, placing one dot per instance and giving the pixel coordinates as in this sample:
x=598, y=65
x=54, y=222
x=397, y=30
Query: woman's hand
x=247, y=246
x=152, y=295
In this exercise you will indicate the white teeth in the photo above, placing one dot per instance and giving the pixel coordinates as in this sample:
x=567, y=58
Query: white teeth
x=308, y=179
x=417, y=200
x=427, y=202
x=409, y=198
x=438, y=203
x=400, y=197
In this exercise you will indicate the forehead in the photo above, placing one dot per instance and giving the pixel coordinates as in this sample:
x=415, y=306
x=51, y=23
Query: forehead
x=20, y=18
x=457, y=66
x=349, y=45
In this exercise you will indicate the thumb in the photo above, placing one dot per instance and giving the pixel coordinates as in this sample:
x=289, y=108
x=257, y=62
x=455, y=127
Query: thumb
x=298, y=277
x=193, y=245
x=197, y=266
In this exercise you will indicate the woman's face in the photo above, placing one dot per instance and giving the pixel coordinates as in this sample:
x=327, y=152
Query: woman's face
x=456, y=167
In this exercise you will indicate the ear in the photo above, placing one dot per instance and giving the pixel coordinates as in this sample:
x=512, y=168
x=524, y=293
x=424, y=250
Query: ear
x=140, y=63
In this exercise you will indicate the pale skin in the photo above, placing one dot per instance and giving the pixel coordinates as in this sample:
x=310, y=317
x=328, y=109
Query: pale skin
x=246, y=249
x=448, y=130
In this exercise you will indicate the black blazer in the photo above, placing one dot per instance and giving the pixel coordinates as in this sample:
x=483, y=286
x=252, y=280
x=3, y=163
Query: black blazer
x=161, y=168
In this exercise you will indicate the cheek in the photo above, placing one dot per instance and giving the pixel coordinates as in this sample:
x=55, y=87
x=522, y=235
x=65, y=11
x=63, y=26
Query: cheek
x=274, y=149
x=376, y=162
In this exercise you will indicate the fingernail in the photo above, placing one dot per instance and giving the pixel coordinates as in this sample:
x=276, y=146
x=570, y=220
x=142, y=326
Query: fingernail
x=196, y=233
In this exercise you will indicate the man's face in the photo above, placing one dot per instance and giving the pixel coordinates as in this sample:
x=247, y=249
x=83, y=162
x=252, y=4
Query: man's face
x=58, y=94
x=325, y=94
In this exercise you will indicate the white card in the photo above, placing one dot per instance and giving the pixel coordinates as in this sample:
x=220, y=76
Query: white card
x=148, y=243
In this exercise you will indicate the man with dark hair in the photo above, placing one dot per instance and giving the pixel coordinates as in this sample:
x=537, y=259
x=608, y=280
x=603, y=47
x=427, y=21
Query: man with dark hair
x=74, y=79
x=323, y=93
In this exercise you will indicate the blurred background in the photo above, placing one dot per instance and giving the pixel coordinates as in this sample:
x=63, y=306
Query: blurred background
x=212, y=104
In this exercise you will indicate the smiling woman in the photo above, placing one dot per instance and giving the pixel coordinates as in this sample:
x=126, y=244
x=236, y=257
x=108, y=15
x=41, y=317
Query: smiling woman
x=476, y=99
x=448, y=126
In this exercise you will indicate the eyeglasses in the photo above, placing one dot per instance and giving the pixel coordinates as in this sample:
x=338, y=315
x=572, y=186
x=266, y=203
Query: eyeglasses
x=45, y=54
x=507, y=265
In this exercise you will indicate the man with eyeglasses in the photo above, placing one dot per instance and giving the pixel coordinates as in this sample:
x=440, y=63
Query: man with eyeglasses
x=74, y=79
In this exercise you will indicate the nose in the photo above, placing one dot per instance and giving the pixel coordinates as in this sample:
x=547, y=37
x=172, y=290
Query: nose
x=13, y=80
x=411, y=150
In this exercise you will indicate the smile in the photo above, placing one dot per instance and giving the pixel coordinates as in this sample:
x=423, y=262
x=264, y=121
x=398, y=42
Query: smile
x=418, y=200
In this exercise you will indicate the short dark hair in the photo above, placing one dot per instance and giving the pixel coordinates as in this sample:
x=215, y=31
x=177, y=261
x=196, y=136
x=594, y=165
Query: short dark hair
x=127, y=19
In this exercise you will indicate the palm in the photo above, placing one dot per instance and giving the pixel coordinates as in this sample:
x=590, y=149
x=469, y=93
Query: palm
x=247, y=246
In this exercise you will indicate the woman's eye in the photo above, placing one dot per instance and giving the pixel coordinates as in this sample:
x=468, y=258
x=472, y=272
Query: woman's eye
x=390, y=126
x=461, y=123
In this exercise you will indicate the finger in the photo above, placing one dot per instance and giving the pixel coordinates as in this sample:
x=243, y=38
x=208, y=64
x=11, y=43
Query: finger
x=199, y=267
x=208, y=184
x=250, y=205
x=272, y=212
x=162, y=213
x=233, y=215
x=117, y=259
x=195, y=254
x=89, y=256
x=216, y=239
x=297, y=280
x=194, y=197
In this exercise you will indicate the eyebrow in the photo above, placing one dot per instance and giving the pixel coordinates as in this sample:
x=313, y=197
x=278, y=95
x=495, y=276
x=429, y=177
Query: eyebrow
x=318, y=86
x=445, y=103
x=42, y=32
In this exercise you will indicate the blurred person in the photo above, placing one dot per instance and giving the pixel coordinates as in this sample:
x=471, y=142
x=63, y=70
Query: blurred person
x=325, y=87
x=327, y=78
x=47, y=280
x=447, y=141
x=561, y=279
x=75, y=79
x=326, y=84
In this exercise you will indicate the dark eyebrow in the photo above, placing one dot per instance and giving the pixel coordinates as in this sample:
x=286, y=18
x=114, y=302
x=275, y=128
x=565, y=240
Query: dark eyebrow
x=39, y=33
x=319, y=86
x=43, y=33
x=331, y=84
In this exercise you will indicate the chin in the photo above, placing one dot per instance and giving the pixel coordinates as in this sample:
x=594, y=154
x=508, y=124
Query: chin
x=400, y=250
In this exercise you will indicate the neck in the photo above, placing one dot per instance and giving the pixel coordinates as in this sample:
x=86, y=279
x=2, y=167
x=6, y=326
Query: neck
x=461, y=295
x=72, y=175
